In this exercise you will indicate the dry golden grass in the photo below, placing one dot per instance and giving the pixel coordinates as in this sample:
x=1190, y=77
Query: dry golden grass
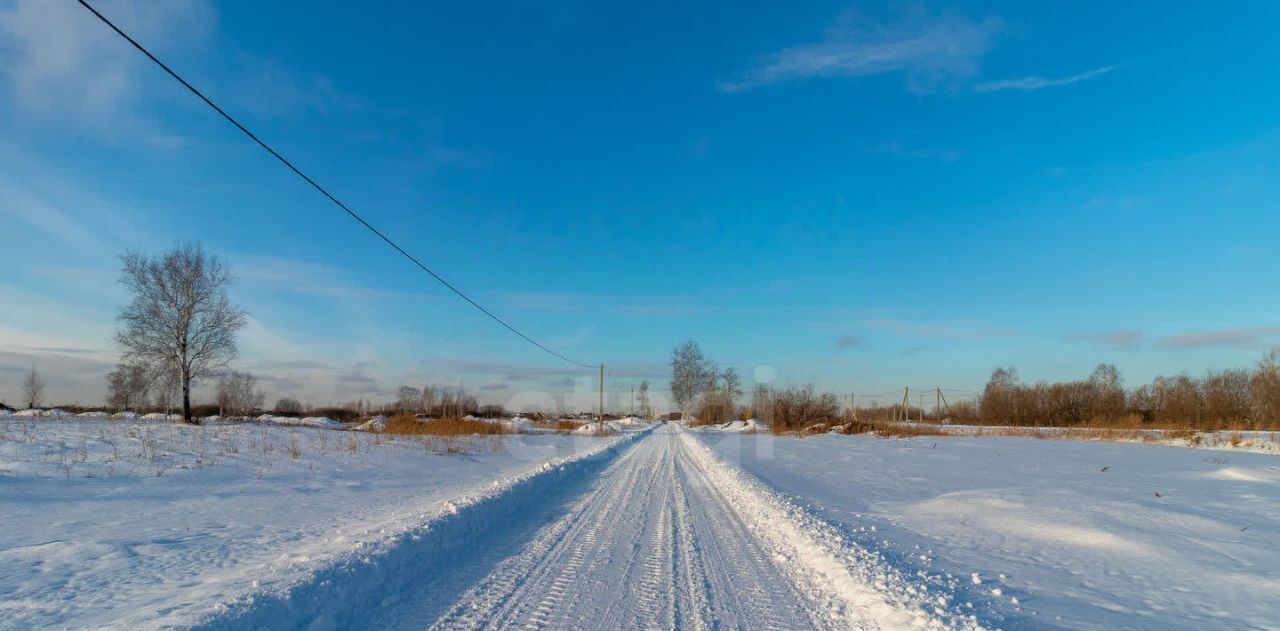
x=407, y=425
x=562, y=425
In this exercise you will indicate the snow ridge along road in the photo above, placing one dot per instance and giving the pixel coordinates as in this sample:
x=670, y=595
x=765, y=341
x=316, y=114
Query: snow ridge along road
x=671, y=537
x=415, y=574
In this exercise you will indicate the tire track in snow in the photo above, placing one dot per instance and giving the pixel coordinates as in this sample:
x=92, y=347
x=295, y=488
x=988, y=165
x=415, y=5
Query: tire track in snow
x=655, y=544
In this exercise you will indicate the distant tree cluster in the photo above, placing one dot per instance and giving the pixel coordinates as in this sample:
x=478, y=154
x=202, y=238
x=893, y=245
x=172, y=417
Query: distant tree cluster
x=700, y=389
x=438, y=402
x=237, y=394
x=785, y=409
x=1218, y=400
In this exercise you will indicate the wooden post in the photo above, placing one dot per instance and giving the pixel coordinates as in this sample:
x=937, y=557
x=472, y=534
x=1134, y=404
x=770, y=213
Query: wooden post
x=602, y=397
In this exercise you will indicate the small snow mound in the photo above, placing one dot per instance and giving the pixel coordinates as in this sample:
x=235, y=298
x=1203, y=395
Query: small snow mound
x=749, y=426
x=632, y=422
x=596, y=429
x=375, y=424
x=31, y=412
x=93, y=415
x=309, y=421
x=125, y=415
x=519, y=425
x=57, y=412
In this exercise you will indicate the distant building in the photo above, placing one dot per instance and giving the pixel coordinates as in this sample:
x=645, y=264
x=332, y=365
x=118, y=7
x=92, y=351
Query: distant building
x=674, y=416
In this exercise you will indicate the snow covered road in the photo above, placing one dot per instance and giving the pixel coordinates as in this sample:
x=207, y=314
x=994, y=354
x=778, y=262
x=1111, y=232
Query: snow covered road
x=669, y=538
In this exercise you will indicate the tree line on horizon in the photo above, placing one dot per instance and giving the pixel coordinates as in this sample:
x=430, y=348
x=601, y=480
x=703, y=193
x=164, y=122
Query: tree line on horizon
x=1246, y=398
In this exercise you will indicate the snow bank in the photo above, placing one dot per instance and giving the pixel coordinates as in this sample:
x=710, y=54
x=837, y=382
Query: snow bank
x=309, y=421
x=161, y=416
x=858, y=582
x=93, y=415
x=520, y=425
x=749, y=426
x=125, y=415
x=142, y=525
x=345, y=592
x=1059, y=534
x=30, y=412
x=632, y=422
x=375, y=424
x=596, y=429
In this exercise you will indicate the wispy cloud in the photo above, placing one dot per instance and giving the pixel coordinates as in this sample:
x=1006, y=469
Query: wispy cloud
x=62, y=64
x=306, y=277
x=928, y=330
x=1254, y=337
x=1124, y=340
x=848, y=341
x=1039, y=83
x=930, y=50
x=59, y=60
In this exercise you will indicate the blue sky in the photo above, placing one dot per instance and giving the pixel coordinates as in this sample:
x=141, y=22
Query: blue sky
x=863, y=196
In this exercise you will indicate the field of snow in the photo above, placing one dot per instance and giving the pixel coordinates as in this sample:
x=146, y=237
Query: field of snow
x=1048, y=534
x=140, y=524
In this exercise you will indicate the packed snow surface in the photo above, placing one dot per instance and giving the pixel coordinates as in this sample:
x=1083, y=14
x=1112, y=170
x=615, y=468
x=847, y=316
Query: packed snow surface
x=1055, y=534
x=134, y=524
x=137, y=524
x=669, y=537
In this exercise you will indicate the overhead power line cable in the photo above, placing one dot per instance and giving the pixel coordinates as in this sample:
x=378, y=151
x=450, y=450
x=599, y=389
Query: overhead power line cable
x=317, y=186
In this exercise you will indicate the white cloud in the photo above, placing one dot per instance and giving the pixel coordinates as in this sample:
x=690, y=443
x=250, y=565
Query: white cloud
x=61, y=63
x=60, y=60
x=1255, y=337
x=1122, y=340
x=931, y=50
x=1039, y=83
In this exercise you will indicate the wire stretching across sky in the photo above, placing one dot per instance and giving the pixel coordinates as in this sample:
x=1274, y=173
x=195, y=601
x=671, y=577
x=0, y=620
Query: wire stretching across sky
x=322, y=190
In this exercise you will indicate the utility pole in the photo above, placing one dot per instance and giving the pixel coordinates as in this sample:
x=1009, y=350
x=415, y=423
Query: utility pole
x=937, y=403
x=602, y=397
x=633, y=400
x=906, y=392
x=921, y=407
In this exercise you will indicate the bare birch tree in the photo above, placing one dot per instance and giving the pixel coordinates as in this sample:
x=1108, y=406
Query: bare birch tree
x=237, y=394
x=33, y=388
x=179, y=319
x=691, y=374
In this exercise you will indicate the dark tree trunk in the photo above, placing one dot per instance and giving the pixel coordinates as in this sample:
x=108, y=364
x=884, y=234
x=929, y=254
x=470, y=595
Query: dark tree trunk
x=186, y=398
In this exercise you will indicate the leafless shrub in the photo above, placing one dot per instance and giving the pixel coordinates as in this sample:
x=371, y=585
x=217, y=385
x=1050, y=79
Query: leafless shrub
x=795, y=408
x=288, y=406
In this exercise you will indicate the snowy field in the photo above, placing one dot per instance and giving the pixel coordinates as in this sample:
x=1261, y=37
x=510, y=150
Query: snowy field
x=1050, y=534
x=146, y=524
x=141, y=524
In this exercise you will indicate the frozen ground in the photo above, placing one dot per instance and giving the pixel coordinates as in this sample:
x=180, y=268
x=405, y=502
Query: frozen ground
x=142, y=525
x=668, y=537
x=136, y=524
x=1050, y=533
